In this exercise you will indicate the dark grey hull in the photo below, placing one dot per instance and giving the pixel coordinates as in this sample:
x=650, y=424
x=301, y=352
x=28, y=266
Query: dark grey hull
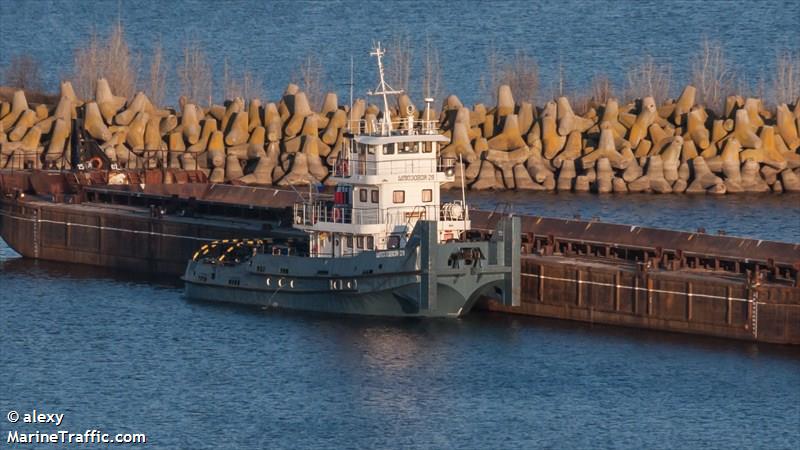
x=399, y=302
x=426, y=279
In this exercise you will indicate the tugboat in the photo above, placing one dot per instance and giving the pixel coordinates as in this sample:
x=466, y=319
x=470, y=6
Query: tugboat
x=383, y=245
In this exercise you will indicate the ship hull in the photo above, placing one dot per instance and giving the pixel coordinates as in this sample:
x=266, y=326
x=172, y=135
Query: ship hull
x=425, y=279
x=386, y=303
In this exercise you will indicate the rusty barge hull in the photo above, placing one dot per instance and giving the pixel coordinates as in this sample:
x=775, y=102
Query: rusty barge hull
x=574, y=270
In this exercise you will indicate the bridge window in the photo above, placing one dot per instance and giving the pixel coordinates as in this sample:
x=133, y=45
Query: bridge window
x=349, y=241
x=428, y=147
x=399, y=196
x=362, y=195
x=393, y=243
x=409, y=147
x=427, y=195
x=374, y=196
x=359, y=241
x=388, y=149
x=370, y=242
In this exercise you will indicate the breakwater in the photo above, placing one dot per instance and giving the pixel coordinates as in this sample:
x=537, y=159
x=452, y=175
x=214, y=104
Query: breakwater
x=675, y=147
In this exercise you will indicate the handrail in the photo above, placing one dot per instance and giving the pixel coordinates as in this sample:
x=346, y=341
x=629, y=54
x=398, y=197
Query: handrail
x=400, y=127
x=346, y=166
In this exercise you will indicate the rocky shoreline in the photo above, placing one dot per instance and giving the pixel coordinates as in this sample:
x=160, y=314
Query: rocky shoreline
x=675, y=147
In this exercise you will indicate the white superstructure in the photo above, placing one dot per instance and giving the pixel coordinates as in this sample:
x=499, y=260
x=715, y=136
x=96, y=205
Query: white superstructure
x=388, y=177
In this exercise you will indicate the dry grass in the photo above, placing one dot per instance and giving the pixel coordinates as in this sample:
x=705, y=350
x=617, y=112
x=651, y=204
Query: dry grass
x=601, y=88
x=249, y=86
x=432, y=72
x=786, y=83
x=195, y=74
x=23, y=72
x=400, y=56
x=520, y=72
x=648, y=79
x=158, y=76
x=310, y=78
x=713, y=76
x=111, y=59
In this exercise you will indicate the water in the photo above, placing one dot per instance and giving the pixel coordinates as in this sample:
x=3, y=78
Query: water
x=769, y=217
x=273, y=38
x=122, y=353
x=127, y=354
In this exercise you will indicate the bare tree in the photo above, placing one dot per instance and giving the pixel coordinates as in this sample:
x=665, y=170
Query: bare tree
x=648, y=79
x=230, y=85
x=249, y=86
x=23, y=72
x=522, y=75
x=195, y=74
x=432, y=76
x=252, y=85
x=786, y=83
x=311, y=79
x=400, y=56
x=111, y=59
x=520, y=72
x=158, y=76
x=602, y=89
x=712, y=75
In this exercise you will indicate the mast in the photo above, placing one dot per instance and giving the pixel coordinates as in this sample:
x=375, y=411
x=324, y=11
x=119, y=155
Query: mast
x=383, y=90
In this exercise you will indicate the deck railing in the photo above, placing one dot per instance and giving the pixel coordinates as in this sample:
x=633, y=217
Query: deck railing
x=346, y=166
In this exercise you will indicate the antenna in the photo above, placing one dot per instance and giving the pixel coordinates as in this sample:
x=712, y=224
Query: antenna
x=383, y=89
x=463, y=195
x=351, y=91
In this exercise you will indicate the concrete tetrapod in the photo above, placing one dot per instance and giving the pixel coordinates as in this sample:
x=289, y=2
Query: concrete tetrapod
x=643, y=121
x=237, y=129
x=510, y=138
x=703, y=177
x=787, y=127
x=191, y=124
x=24, y=123
x=108, y=103
x=19, y=104
x=604, y=176
x=505, y=100
x=94, y=124
x=209, y=127
x=568, y=121
x=684, y=104
x=460, y=144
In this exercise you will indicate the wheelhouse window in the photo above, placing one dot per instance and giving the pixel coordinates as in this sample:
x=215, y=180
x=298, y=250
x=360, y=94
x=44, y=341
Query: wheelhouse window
x=371, y=149
x=428, y=147
x=374, y=194
x=362, y=195
x=427, y=195
x=393, y=242
x=360, y=242
x=399, y=196
x=370, y=242
x=408, y=147
x=388, y=149
x=349, y=241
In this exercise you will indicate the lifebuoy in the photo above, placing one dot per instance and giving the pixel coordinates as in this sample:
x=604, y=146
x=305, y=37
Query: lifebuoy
x=96, y=163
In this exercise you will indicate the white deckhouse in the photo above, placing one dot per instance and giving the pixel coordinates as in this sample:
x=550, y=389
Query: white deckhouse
x=388, y=177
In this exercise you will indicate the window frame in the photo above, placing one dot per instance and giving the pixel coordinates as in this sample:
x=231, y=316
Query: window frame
x=429, y=192
x=402, y=197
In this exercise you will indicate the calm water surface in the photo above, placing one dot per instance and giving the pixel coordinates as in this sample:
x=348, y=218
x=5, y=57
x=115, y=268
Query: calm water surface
x=272, y=38
x=121, y=353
